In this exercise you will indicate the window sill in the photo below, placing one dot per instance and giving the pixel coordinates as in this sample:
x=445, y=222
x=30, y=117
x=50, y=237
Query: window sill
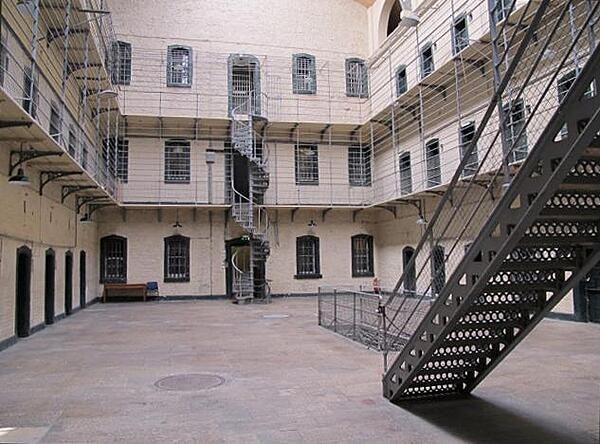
x=177, y=182
x=308, y=276
x=310, y=184
x=363, y=275
x=175, y=280
x=177, y=85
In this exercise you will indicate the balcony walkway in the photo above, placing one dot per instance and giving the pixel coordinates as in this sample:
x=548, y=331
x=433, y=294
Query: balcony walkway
x=91, y=378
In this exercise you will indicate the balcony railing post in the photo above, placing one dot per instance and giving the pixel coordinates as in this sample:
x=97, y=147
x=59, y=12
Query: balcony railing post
x=335, y=310
x=354, y=315
x=319, y=305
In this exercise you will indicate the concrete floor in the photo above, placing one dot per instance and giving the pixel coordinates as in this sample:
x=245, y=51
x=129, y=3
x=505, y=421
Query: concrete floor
x=91, y=378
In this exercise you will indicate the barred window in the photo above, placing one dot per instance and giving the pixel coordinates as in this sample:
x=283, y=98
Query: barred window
x=362, y=256
x=401, y=81
x=427, y=64
x=405, y=173
x=179, y=66
x=55, y=128
x=460, y=34
x=307, y=164
x=432, y=159
x=3, y=61
x=30, y=92
x=410, y=274
x=177, y=259
x=84, y=155
x=113, y=259
x=123, y=160
x=177, y=161
x=514, y=129
x=72, y=145
x=109, y=153
x=359, y=166
x=357, y=80
x=439, y=269
x=502, y=9
x=121, y=67
x=466, y=136
x=308, y=258
x=304, y=75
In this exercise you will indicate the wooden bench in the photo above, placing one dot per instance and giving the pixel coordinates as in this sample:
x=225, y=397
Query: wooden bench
x=124, y=290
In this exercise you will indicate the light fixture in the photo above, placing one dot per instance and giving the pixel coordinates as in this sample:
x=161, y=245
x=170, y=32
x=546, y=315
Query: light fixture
x=312, y=224
x=422, y=221
x=19, y=179
x=86, y=219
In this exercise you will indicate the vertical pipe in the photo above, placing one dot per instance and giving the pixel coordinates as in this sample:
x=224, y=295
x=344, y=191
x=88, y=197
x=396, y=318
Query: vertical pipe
x=319, y=306
x=395, y=149
x=354, y=315
x=335, y=310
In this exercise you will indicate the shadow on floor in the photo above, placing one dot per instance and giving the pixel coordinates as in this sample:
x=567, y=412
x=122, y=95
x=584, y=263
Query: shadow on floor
x=477, y=420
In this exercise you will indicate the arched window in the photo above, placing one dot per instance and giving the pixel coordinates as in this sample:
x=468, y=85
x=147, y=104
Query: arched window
x=362, y=256
x=410, y=275
x=395, y=17
x=177, y=259
x=113, y=259
x=304, y=74
x=432, y=159
x=308, y=261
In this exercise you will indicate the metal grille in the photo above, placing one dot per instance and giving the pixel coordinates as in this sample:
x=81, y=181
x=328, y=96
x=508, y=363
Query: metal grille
x=121, y=73
x=405, y=174
x=307, y=256
x=177, y=161
x=514, y=129
x=362, y=256
x=460, y=35
x=242, y=84
x=401, y=81
x=72, y=146
x=123, y=160
x=113, y=259
x=177, y=259
x=427, y=65
x=359, y=166
x=179, y=66
x=307, y=165
x=3, y=61
x=357, y=81
x=466, y=136
x=304, y=76
x=30, y=92
x=432, y=158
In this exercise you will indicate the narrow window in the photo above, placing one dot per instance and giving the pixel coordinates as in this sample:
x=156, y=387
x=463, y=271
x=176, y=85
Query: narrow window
x=357, y=80
x=466, y=136
x=84, y=155
x=410, y=275
x=307, y=258
x=359, y=166
x=432, y=158
x=460, y=34
x=55, y=128
x=502, y=9
x=3, y=61
x=30, y=92
x=427, y=65
x=109, y=156
x=177, y=161
x=439, y=270
x=362, y=256
x=304, y=75
x=514, y=130
x=405, y=174
x=177, y=259
x=179, y=66
x=113, y=259
x=123, y=160
x=121, y=68
x=307, y=165
x=401, y=81
x=72, y=145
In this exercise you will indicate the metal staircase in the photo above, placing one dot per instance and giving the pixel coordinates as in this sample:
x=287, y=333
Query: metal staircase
x=247, y=210
x=518, y=239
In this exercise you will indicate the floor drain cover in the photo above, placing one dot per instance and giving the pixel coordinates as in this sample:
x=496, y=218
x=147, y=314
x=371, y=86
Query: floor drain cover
x=276, y=316
x=189, y=383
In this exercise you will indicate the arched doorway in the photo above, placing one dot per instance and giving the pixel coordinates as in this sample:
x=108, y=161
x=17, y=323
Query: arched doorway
x=389, y=19
x=82, y=279
x=49, y=286
x=23, y=292
x=68, y=283
x=394, y=18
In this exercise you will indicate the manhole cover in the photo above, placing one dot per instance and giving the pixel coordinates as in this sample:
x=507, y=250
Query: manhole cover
x=276, y=316
x=189, y=383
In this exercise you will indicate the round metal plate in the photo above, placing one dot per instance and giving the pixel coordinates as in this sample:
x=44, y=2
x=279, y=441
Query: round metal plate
x=189, y=382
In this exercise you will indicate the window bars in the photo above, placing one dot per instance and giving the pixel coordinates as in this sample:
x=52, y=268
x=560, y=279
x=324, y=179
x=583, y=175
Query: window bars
x=357, y=79
x=362, y=256
x=359, y=166
x=307, y=164
x=179, y=66
x=304, y=74
x=177, y=161
x=177, y=259
x=307, y=257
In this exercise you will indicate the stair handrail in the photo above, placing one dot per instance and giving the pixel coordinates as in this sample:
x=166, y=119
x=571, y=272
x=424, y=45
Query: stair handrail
x=428, y=237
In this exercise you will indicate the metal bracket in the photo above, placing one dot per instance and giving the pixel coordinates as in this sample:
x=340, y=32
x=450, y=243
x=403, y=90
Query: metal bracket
x=54, y=33
x=82, y=200
x=324, y=131
x=95, y=207
x=293, y=215
x=479, y=64
x=324, y=213
x=67, y=190
x=438, y=88
x=25, y=156
x=391, y=209
x=48, y=176
x=14, y=123
x=355, y=213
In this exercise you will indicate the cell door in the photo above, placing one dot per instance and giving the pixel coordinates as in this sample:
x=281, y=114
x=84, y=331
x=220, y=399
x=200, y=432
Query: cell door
x=244, y=84
x=23, y=292
x=49, y=287
x=68, y=283
x=82, y=279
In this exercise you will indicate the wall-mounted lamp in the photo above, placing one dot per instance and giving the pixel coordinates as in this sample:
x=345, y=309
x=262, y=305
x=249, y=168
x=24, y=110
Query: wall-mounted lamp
x=177, y=224
x=19, y=179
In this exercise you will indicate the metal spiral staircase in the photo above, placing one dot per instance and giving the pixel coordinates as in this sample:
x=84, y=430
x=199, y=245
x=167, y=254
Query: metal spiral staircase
x=247, y=210
x=518, y=239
